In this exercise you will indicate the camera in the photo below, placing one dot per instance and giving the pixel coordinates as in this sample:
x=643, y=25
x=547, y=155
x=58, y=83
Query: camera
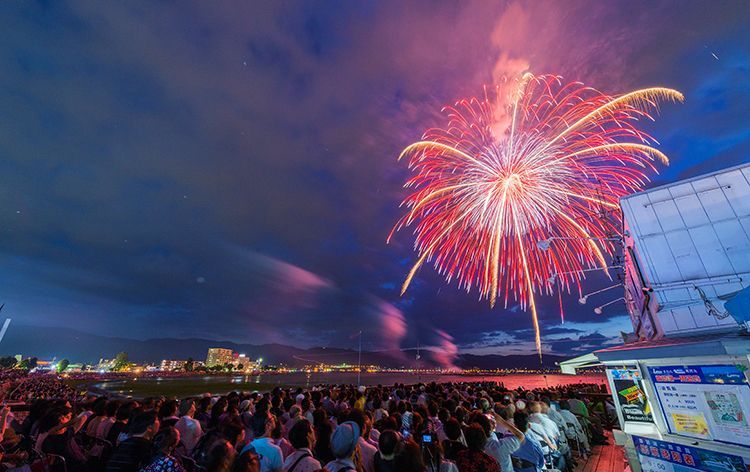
x=426, y=438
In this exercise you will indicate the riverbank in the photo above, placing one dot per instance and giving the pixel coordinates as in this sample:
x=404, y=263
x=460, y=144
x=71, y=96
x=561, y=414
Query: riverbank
x=197, y=385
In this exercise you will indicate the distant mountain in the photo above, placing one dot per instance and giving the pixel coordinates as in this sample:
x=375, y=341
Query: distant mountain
x=46, y=343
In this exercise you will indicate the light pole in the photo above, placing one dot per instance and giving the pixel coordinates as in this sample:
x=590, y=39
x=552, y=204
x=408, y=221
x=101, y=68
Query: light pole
x=584, y=298
x=598, y=310
x=552, y=278
x=545, y=244
x=359, y=361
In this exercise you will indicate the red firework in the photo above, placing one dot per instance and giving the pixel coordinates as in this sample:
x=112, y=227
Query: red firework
x=498, y=179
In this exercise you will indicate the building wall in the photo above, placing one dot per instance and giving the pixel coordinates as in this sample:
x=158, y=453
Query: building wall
x=218, y=356
x=689, y=237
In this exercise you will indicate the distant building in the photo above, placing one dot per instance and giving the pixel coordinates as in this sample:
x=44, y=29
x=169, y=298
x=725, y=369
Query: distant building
x=169, y=365
x=105, y=365
x=219, y=356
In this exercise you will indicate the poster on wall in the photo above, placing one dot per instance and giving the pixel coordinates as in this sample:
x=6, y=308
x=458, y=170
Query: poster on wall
x=630, y=395
x=706, y=402
x=661, y=456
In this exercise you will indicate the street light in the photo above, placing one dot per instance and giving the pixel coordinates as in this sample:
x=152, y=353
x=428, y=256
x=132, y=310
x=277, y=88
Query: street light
x=545, y=244
x=598, y=310
x=584, y=298
x=552, y=278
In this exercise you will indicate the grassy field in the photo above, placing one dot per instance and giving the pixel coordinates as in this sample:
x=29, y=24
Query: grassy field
x=182, y=387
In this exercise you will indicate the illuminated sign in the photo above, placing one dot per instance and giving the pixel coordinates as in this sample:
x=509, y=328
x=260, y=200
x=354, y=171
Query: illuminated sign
x=706, y=402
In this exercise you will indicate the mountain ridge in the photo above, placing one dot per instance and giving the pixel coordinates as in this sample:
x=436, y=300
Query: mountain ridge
x=79, y=346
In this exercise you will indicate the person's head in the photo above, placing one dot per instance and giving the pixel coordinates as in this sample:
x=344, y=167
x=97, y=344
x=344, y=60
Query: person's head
x=452, y=429
x=388, y=443
x=187, y=407
x=124, y=412
x=358, y=417
x=111, y=409
x=475, y=437
x=99, y=406
x=204, y=403
x=55, y=417
x=145, y=424
x=263, y=424
x=167, y=439
x=248, y=461
x=344, y=440
x=535, y=407
x=521, y=420
x=233, y=431
x=219, y=457
x=482, y=420
x=409, y=458
x=302, y=435
x=168, y=409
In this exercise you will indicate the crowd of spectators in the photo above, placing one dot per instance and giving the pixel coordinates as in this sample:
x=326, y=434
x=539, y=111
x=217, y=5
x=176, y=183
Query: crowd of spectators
x=426, y=427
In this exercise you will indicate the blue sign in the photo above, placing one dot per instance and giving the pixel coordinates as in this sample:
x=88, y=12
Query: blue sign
x=704, y=374
x=665, y=456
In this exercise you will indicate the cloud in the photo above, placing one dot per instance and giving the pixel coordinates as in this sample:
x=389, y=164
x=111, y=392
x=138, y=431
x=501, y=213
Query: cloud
x=445, y=352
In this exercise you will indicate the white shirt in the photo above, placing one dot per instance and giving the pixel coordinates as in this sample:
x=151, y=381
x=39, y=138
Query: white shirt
x=270, y=455
x=308, y=464
x=341, y=464
x=501, y=449
x=553, y=432
x=368, y=452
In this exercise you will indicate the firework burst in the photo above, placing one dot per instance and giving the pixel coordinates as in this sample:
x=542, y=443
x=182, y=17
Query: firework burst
x=545, y=167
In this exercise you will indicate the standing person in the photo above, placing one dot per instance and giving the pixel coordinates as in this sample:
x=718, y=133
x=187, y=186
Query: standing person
x=271, y=459
x=134, y=452
x=302, y=438
x=344, y=445
x=367, y=450
x=409, y=458
x=385, y=458
x=189, y=428
x=529, y=457
x=323, y=432
x=474, y=459
x=453, y=444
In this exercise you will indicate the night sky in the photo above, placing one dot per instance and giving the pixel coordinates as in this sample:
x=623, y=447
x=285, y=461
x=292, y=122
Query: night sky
x=227, y=170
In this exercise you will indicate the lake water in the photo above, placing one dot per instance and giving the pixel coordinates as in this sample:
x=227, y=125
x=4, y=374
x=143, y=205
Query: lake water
x=223, y=384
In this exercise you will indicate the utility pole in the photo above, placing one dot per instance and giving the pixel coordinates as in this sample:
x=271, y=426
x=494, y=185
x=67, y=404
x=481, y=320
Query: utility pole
x=359, y=361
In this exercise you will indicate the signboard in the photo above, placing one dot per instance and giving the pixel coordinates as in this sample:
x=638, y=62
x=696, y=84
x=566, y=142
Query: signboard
x=660, y=456
x=630, y=395
x=706, y=402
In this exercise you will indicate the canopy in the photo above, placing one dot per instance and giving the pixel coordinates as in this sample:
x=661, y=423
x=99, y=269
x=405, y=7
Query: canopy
x=739, y=306
x=587, y=360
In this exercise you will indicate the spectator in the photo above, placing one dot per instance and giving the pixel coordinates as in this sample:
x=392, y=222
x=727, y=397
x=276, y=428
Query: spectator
x=302, y=439
x=189, y=428
x=385, y=458
x=529, y=457
x=474, y=459
x=271, y=459
x=164, y=461
x=133, y=453
x=344, y=446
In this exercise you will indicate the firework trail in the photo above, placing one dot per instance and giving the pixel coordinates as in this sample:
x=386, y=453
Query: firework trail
x=500, y=178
